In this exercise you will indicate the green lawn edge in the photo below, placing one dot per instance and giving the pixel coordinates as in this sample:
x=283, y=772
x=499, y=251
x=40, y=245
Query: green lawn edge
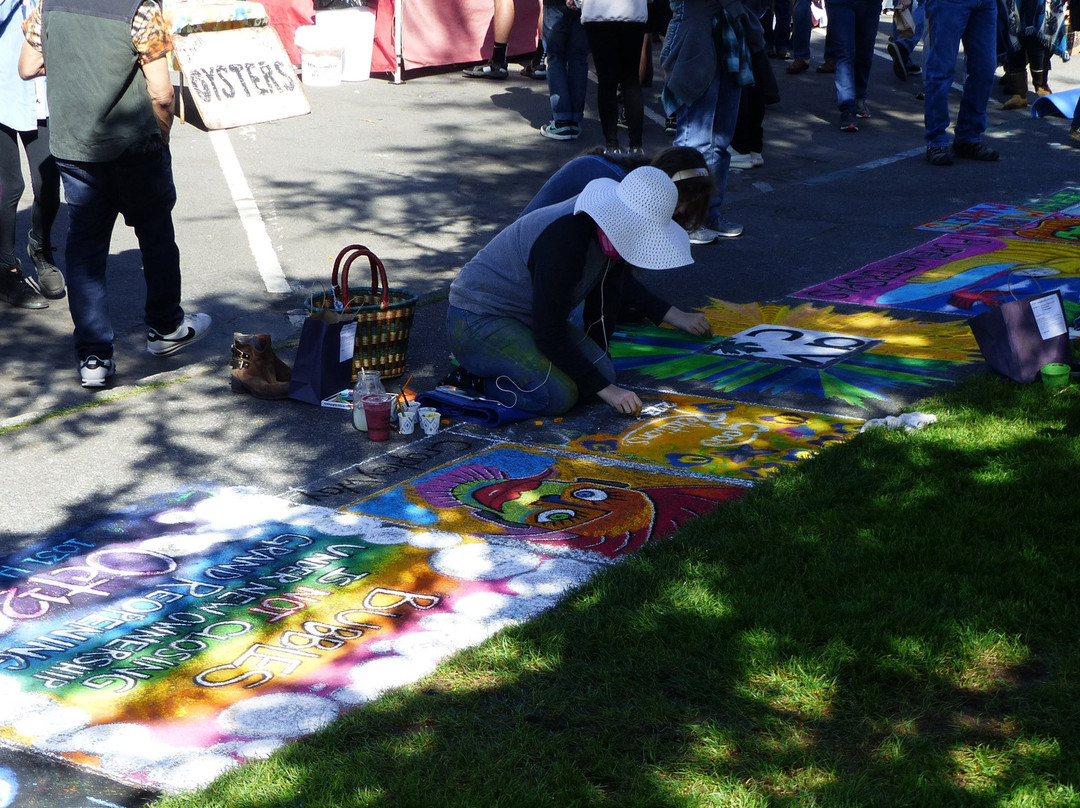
x=892, y=623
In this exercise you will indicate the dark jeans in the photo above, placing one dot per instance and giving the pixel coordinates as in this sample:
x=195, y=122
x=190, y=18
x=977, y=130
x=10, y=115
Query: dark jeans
x=139, y=186
x=854, y=25
x=44, y=180
x=616, y=52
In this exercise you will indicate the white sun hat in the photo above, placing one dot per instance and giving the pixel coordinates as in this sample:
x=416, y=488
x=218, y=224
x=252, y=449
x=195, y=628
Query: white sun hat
x=635, y=215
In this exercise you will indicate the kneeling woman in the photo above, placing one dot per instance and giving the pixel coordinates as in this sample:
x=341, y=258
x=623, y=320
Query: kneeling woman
x=509, y=318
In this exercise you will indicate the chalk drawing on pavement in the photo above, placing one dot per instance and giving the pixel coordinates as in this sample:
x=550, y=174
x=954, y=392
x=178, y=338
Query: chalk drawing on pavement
x=724, y=438
x=985, y=219
x=168, y=644
x=561, y=504
x=959, y=274
x=909, y=355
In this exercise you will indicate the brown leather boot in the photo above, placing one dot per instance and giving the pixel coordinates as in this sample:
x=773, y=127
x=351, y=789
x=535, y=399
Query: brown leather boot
x=256, y=369
x=1040, y=78
x=1016, y=86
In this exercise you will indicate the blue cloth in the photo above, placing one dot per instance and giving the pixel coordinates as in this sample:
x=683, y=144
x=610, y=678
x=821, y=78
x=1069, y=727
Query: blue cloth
x=948, y=23
x=854, y=24
x=571, y=179
x=474, y=410
x=567, y=50
x=1063, y=104
x=18, y=98
x=139, y=186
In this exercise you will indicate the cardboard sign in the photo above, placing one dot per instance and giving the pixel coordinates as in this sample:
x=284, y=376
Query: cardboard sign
x=240, y=76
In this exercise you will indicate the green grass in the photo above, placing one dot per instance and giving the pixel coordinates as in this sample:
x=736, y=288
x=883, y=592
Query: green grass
x=894, y=623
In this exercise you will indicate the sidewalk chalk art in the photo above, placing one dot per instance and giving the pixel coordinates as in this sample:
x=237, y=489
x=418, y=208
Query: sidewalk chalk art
x=718, y=437
x=558, y=504
x=1059, y=228
x=168, y=644
x=985, y=219
x=1067, y=200
x=864, y=359
x=959, y=274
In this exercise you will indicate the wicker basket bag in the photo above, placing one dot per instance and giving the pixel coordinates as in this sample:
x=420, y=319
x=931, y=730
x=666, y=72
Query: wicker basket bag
x=383, y=315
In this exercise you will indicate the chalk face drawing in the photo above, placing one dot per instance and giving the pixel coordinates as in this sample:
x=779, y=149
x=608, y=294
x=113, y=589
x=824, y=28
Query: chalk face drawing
x=909, y=356
x=793, y=346
x=556, y=503
x=166, y=645
x=985, y=219
x=720, y=437
x=959, y=274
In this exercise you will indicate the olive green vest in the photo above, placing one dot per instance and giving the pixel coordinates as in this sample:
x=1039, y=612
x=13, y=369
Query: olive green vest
x=98, y=103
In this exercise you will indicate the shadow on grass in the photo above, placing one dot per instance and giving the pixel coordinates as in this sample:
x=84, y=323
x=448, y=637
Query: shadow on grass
x=890, y=624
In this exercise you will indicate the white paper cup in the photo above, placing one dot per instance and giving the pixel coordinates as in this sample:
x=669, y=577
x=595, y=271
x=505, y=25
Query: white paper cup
x=429, y=420
x=406, y=422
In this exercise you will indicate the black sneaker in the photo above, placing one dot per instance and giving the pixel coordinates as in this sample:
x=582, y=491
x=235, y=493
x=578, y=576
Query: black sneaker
x=50, y=280
x=671, y=127
x=847, y=122
x=899, y=61
x=17, y=290
x=536, y=69
x=974, y=151
x=939, y=155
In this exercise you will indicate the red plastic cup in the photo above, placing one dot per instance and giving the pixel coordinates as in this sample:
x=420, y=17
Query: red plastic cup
x=377, y=411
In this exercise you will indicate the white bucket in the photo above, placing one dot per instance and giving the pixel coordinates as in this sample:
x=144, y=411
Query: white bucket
x=320, y=56
x=355, y=29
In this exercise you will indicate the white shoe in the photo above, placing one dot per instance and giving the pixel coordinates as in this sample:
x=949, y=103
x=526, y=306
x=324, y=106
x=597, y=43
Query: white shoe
x=757, y=160
x=703, y=235
x=739, y=160
x=191, y=329
x=94, y=372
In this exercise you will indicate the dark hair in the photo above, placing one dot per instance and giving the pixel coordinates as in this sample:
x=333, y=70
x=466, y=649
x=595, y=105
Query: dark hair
x=627, y=162
x=694, y=192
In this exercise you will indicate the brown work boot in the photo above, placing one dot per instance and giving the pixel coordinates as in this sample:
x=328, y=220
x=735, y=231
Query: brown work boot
x=256, y=369
x=1017, y=88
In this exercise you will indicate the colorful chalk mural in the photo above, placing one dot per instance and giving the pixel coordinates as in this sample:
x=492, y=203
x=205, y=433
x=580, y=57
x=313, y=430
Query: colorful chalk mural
x=985, y=219
x=905, y=355
x=1066, y=200
x=170, y=643
x=718, y=437
x=560, y=504
x=964, y=274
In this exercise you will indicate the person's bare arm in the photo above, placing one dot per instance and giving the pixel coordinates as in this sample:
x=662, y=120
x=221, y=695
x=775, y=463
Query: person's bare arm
x=31, y=62
x=159, y=85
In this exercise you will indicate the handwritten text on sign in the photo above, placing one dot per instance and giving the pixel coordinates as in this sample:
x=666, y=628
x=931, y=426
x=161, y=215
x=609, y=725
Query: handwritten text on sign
x=240, y=76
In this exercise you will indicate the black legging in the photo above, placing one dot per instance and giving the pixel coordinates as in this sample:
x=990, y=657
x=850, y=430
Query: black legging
x=616, y=52
x=44, y=180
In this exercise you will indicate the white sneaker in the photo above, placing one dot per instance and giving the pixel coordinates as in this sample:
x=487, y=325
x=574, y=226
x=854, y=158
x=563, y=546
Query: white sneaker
x=191, y=329
x=739, y=160
x=703, y=235
x=757, y=160
x=93, y=372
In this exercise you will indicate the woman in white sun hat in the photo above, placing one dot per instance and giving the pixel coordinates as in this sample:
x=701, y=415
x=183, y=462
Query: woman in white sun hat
x=509, y=319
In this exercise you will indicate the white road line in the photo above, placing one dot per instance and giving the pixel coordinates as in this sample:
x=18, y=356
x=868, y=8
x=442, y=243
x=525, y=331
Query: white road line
x=262, y=249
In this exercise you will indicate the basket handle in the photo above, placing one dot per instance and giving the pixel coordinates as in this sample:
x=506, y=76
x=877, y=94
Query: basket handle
x=378, y=274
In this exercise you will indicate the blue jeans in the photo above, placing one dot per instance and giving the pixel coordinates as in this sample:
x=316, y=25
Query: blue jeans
x=854, y=25
x=802, y=23
x=139, y=186
x=567, y=50
x=503, y=352
x=708, y=125
x=948, y=23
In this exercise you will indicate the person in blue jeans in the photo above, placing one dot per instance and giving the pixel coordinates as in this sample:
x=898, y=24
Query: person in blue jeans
x=948, y=23
x=706, y=56
x=854, y=25
x=902, y=48
x=567, y=50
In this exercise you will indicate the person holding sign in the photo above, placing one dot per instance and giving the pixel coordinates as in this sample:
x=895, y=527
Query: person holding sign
x=111, y=99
